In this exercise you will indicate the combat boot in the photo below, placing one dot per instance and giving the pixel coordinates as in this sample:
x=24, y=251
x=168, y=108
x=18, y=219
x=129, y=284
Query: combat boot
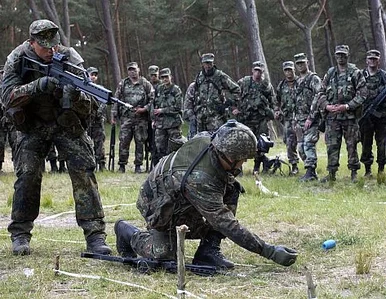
x=62, y=167
x=331, y=177
x=102, y=166
x=208, y=253
x=368, y=173
x=381, y=168
x=354, y=176
x=122, y=168
x=124, y=231
x=96, y=244
x=294, y=169
x=310, y=175
x=20, y=246
x=138, y=169
x=54, y=167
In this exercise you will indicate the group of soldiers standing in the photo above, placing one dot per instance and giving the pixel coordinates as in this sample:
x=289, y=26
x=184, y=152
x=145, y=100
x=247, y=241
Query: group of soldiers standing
x=303, y=102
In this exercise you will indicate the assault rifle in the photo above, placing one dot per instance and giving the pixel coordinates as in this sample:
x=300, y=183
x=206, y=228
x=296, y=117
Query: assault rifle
x=147, y=265
x=62, y=69
x=372, y=108
x=112, y=149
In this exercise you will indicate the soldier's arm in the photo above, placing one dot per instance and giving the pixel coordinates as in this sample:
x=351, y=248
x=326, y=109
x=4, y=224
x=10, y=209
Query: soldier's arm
x=115, y=107
x=361, y=90
x=316, y=85
x=207, y=197
x=189, y=102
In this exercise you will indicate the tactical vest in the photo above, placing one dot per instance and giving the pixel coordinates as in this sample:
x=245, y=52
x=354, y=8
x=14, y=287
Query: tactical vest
x=340, y=89
x=375, y=84
x=164, y=201
x=287, y=99
x=208, y=93
x=135, y=95
x=166, y=98
x=254, y=99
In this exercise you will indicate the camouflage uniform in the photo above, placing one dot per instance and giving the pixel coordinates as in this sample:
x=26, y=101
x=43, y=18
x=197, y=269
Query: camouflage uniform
x=256, y=105
x=285, y=97
x=153, y=71
x=35, y=109
x=189, y=110
x=133, y=125
x=375, y=124
x=307, y=89
x=167, y=123
x=96, y=127
x=210, y=105
x=346, y=89
x=208, y=202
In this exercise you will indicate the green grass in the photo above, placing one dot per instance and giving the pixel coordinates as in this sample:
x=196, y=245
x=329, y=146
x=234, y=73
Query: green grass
x=303, y=216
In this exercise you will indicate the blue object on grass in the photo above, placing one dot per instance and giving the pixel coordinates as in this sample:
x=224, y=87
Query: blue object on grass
x=329, y=244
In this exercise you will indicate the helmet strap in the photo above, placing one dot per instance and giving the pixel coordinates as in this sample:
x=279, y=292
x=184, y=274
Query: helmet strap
x=234, y=171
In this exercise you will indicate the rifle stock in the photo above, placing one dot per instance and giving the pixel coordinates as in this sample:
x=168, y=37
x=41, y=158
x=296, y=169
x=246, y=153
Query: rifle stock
x=147, y=265
x=379, y=99
x=112, y=149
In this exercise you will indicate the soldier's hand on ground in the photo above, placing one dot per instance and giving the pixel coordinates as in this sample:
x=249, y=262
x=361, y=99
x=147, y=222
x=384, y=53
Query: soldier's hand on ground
x=47, y=84
x=280, y=254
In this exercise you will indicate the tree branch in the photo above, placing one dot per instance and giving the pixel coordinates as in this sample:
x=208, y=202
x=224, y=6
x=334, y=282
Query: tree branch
x=213, y=28
x=292, y=18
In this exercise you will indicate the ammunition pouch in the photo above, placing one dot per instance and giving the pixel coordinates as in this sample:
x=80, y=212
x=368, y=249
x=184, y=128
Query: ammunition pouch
x=71, y=123
x=18, y=118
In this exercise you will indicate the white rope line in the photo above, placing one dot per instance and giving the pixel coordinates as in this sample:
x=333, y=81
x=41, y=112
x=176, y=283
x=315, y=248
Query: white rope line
x=112, y=280
x=72, y=212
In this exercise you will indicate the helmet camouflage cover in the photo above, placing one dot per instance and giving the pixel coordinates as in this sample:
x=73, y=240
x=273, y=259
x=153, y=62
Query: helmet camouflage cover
x=236, y=141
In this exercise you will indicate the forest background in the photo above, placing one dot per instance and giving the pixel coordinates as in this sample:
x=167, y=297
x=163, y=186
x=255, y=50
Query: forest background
x=173, y=33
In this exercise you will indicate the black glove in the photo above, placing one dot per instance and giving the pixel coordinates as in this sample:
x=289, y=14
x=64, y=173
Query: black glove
x=71, y=92
x=279, y=254
x=47, y=84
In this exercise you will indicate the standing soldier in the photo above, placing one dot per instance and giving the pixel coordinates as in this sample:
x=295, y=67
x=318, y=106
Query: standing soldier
x=150, y=147
x=306, y=116
x=255, y=107
x=138, y=92
x=96, y=128
x=210, y=103
x=284, y=110
x=343, y=93
x=38, y=127
x=375, y=124
x=154, y=76
x=166, y=114
x=189, y=113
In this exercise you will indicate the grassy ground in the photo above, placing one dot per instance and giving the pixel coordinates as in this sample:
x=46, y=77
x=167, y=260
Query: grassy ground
x=303, y=216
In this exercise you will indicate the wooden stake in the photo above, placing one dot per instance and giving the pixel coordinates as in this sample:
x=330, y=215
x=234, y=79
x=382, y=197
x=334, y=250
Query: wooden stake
x=57, y=264
x=181, y=231
x=311, y=287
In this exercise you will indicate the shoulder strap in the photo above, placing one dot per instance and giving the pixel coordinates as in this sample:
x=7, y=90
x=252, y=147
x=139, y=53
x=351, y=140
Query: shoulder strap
x=191, y=167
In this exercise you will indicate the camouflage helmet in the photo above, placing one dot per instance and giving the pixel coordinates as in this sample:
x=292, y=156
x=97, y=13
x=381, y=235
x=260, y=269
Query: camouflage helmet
x=45, y=32
x=235, y=140
x=176, y=143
